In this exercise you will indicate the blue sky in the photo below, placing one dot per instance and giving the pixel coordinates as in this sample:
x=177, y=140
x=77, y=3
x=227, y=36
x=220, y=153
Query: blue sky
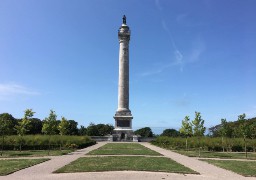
x=185, y=56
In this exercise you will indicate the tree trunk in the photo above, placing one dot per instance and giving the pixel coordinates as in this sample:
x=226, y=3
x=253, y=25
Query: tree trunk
x=186, y=143
x=199, y=151
x=2, y=150
x=222, y=140
x=20, y=142
x=49, y=145
x=61, y=143
x=245, y=148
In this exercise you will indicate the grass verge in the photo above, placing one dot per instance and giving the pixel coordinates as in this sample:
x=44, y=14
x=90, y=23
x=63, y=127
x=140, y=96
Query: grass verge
x=33, y=153
x=245, y=168
x=226, y=155
x=124, y=149
x=132, y=163
x=12, y=165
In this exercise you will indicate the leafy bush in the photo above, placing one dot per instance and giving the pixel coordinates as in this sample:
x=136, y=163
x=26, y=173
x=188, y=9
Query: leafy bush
x=207, y=143
x=40, y=142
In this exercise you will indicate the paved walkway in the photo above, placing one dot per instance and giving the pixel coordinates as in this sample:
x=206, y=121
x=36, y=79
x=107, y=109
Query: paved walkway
x=44, y=170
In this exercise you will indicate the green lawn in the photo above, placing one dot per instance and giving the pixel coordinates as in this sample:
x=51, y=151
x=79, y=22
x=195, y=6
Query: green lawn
x=33, y=153
x=225, y=155
x=245, y=168
x=123, y=149
x=12, y=165
x=122, y=163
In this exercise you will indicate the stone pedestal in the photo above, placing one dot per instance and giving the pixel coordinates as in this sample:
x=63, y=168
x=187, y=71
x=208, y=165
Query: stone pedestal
x=110, y=138
x=135, y=138
x=123, y=127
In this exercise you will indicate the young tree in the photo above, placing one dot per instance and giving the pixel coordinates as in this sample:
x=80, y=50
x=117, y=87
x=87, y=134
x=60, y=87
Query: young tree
x=5, y=123
x=186, y=129
x=23, y=125
x=252, y=129
x=63, y=126
x=50, y=126
x=198, y=128
x=223, y=132
x=244, y=129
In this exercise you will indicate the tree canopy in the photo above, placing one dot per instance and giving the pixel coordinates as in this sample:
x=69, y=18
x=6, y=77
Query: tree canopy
x=233, y=128
x=144, y=132
x=170, y=133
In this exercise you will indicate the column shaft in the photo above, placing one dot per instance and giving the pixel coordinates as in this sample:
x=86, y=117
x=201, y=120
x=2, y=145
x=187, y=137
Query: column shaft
x=123, y=84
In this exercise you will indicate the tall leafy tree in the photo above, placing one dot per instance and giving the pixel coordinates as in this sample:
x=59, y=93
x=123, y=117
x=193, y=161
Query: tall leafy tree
x=72, y=127
x=82, y=131
x=198, y=128
x=186, y=129
x=170, y=133
x=144, y=132
x=35, y=126
x=23, y=126
x=5, y=129
x=104, y=129
x=50, y=126
x=99, y=129
x=92, y=130
x=12, y=122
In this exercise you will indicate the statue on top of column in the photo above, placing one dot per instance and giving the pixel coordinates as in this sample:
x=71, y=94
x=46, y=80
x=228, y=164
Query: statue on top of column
x=124, y=19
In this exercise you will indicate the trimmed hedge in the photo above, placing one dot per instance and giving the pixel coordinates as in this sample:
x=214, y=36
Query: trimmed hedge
x=41, y=142
x=207, y=143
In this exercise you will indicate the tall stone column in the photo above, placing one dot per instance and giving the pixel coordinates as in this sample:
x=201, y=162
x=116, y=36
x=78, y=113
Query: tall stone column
x=123, y=117
x=123, y=83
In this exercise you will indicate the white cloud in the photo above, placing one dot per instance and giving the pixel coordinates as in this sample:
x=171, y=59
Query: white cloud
x=178, y=58
x=12, y=89
x=160, y=69
x=198, y=47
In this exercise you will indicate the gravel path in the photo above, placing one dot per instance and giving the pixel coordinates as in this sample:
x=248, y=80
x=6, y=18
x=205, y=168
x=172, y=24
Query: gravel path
x=44, y=170
x=207, y=171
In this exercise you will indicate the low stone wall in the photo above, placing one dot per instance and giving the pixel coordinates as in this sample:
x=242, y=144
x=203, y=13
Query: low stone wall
x=107, y=138
x=141, y=139
x=100, y=138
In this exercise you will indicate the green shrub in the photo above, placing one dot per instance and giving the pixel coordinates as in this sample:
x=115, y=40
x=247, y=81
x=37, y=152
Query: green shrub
x=207, y=143
x=40, y=142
